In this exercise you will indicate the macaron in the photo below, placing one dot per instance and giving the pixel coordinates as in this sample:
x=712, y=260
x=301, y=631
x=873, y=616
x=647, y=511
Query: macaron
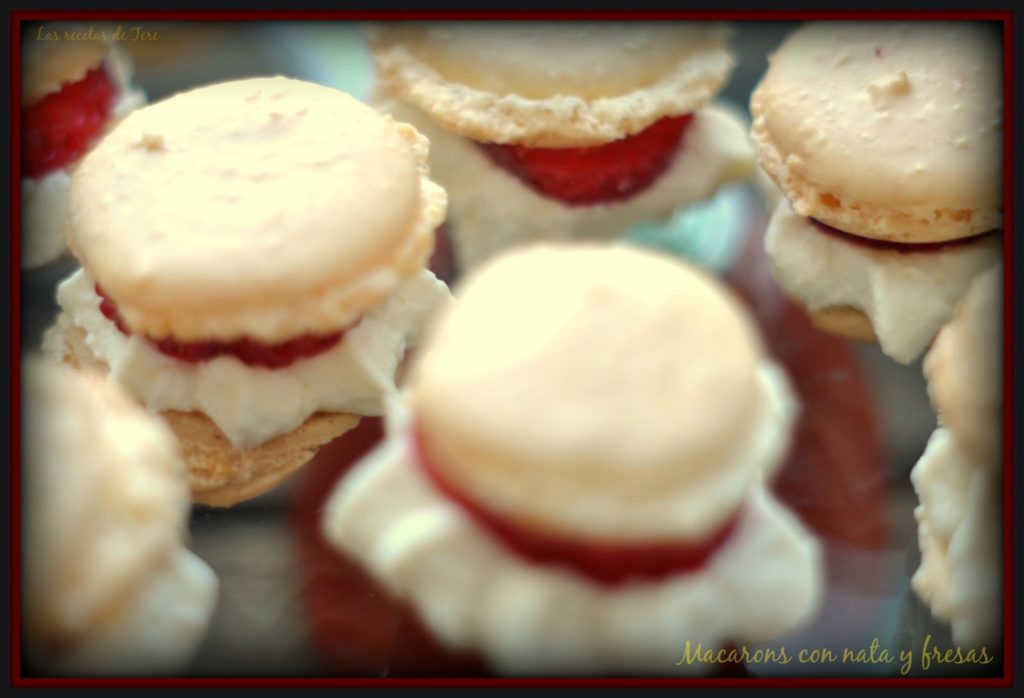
x=109, y=586
x=75, y=85
x=885, y=139
x=253, y=261
x=551, y=131
x=959, y=478
x=591, y=446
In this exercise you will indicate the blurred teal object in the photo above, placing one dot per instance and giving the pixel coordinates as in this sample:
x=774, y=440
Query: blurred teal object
x=710, y=234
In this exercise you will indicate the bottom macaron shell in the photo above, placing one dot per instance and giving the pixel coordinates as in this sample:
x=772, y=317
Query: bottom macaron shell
x=832, y=479
x=844, y=322
x=221, y=475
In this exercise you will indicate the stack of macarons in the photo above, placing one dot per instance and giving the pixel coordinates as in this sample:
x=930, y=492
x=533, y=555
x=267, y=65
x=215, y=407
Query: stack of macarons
x=885, y=140
x=108, y=586
x=75, y=85
x=959, y=478
x=253, y=269
x=563, y=130
x=574, y=480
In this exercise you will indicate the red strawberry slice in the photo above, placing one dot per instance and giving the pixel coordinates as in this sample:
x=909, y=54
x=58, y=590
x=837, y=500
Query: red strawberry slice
x=61, y=127
x=249, y=351
x=901, y=247
x=606, y=563
x=583, y=176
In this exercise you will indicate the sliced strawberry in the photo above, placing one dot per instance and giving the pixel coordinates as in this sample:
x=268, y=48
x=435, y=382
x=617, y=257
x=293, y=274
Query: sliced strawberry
x=610, y=172
x=902, y=247
x=604, y=562
x=61, y=127
x=249, y=351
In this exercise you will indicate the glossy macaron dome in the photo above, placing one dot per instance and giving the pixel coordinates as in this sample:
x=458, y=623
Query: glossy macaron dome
x=247, y=208
x=555, y=84
x=887, y=130
x=570, y=383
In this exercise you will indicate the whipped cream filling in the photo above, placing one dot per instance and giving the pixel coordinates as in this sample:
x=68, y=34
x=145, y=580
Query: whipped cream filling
x=960, y=536
x=157, y=628
x=475, y=594
x=491, y=210
x=908, y=296
x=44, y=201
x=253, y=404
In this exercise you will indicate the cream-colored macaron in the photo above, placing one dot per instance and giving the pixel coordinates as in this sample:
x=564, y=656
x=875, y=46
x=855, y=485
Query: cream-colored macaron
x=556, y=84
x=570, y=384
x=964, y=370
x=886, y=130
x=267, y=208
x=606, y=405
x=106, y=503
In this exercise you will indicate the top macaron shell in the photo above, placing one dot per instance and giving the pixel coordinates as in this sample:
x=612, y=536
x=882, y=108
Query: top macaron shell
x=582, y=379
x=266, y=207
x=887, y=130
x=555, y=84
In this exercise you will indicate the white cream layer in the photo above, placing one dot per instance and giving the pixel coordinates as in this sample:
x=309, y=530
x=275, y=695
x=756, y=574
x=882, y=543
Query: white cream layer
x=491, y=210
x=960, y=535
x=254, y=404
x=157, y=629
x=907, y=296
x=44, y=201
x=473, y=594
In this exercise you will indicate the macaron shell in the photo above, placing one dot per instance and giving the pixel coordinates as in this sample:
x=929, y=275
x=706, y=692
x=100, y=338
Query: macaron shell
x=266, y=207
x=222, y=475
x=886, y=130
x=552, y=85
x=537, y=61
x=845, y=322
x=591, y=370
